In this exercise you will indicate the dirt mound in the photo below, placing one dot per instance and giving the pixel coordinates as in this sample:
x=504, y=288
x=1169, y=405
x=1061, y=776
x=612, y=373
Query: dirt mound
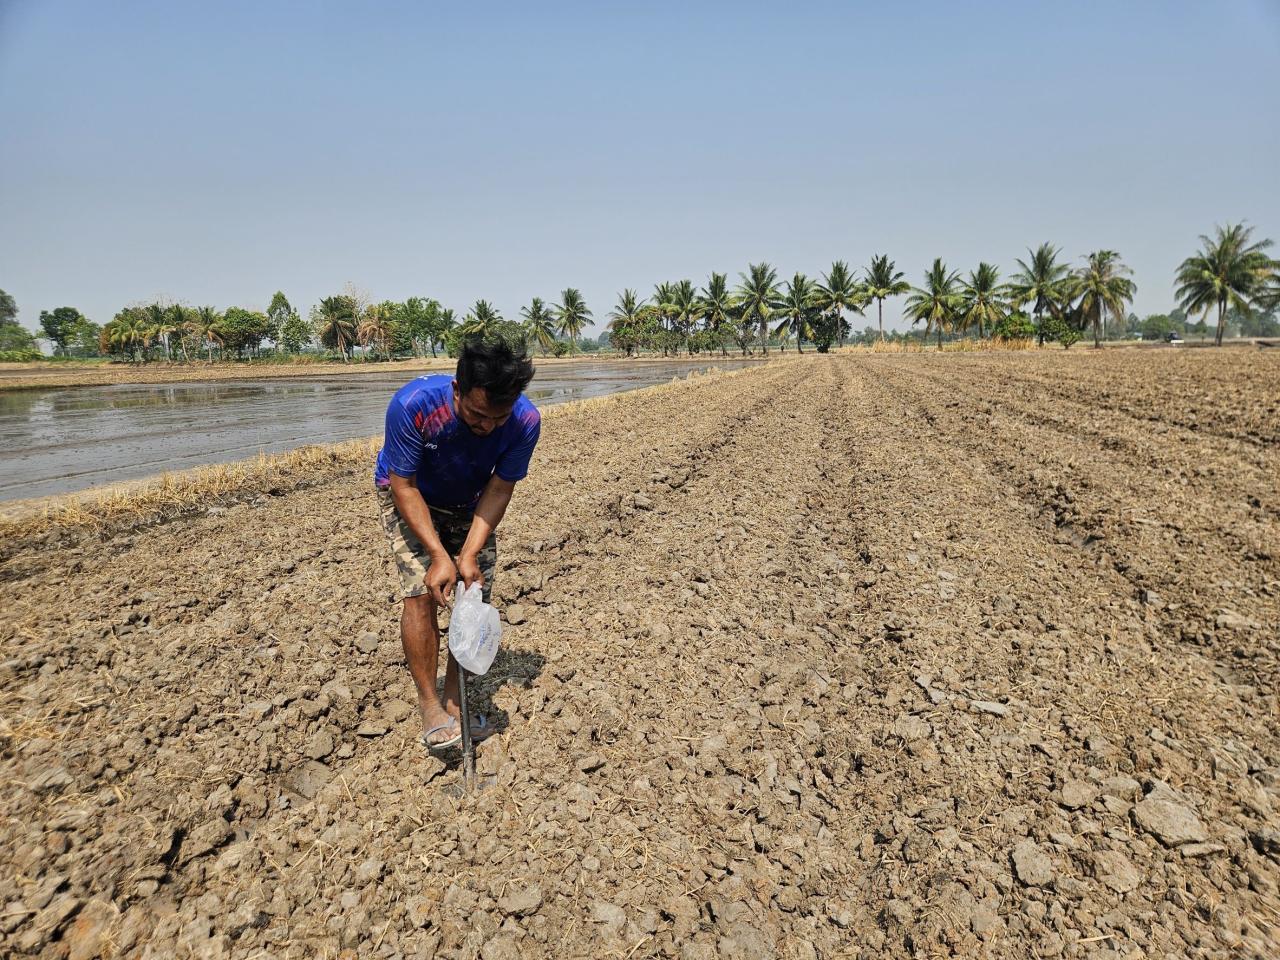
x=885, y=655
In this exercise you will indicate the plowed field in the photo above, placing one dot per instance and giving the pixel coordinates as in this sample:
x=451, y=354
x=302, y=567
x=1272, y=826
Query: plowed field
x=891, y=655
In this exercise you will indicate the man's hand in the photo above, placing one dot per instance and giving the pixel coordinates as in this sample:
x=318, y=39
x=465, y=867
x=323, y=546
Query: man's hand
x=441, y=577
x=469, y=569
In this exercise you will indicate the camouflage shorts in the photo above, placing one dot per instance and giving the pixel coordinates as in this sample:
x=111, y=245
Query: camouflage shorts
x=411, y=557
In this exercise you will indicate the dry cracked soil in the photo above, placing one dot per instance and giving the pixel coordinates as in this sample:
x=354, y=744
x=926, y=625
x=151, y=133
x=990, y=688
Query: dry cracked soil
x=882, y=655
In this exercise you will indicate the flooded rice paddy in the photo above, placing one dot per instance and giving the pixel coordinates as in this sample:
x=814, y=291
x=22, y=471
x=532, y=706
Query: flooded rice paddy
x=65, y=439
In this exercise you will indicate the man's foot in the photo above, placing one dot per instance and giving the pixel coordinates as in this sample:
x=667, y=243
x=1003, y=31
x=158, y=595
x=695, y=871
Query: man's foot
x=439, y=725
x=449, y=733
x=443, y=736
x=448, y=695
x=481, y=728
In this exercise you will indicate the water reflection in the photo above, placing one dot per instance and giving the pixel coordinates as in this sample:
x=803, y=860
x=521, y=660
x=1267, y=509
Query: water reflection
x=61, y=439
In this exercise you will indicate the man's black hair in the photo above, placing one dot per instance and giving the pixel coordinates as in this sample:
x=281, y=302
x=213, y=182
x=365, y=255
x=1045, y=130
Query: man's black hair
x=494, y=365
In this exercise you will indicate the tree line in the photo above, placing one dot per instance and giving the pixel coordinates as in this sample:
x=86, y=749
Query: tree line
x=339, y=323
x=1231, y=275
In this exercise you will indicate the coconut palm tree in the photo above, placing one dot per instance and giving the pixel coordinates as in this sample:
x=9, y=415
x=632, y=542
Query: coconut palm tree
x=446, y=322
x=178, y=316
x=161, y=325
x=129, y=331
x=336, y=323
x=837, y=293
x=539, y=322
x=797, y=307
x=1230, y=270
x=572, y=315
x=982, y=300
x=482, y=321
x=1104, y=287
x=686, y=310
x=205, y=326
x=1042, y=282
x=716, y=305
x=937, y=302
x=374, y=328
x=626, y=319
x=663, y=309
x=758, y=298
x=883, y=280
x=1269, y=297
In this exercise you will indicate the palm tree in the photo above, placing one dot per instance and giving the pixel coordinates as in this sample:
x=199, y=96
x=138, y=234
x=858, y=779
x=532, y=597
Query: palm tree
x=758, y=297
x=716, y=305
x=161, y=325
x=797, y=307
x=663, y=307
x=1103, y=286
x=540, y=323
x=178, y=315
x=1042, y=281
x=626, y=318
x=1268, y=297
x=1229, y=271
x=982, y=300
x=686, y=309
x=883, y=280
x=937, y=302
x=129, y=331
x=446, y=322
x=205, y=326
x=336, y=322
x=375, y=327
x=482, y=321
x=837, y=293
x=572, y=314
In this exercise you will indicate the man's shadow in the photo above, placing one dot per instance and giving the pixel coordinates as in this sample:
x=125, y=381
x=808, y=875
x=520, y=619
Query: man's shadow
x=510, y=667
x=519, y=667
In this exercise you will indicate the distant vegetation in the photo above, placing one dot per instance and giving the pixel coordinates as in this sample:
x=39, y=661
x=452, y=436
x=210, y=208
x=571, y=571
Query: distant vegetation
x=1231, y=279
x=1231, y=274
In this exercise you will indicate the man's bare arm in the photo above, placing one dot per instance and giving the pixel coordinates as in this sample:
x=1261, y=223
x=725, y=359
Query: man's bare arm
x=408, y=498
x=489, y=513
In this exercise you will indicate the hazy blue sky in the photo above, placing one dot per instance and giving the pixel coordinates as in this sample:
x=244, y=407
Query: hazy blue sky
x=217, y=152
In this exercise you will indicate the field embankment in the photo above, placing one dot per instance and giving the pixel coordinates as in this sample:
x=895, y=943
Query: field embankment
x=40, y=375
x=29, y=376
x=879, y=655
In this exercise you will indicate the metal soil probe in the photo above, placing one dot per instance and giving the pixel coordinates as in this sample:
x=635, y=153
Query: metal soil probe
x=468, y=748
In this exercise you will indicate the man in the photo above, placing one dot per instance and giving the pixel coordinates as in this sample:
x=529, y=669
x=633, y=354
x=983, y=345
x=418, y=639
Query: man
x=455, y=447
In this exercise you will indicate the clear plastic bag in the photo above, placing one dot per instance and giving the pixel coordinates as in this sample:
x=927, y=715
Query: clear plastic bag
x=474, y=629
